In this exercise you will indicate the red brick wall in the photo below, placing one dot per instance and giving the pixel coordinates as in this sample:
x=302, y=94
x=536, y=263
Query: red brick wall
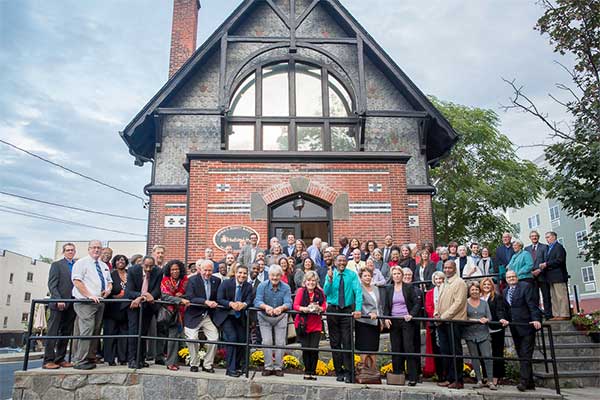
x=172, y=238
x=424, y=232
x=204, y=176
x=183, y=33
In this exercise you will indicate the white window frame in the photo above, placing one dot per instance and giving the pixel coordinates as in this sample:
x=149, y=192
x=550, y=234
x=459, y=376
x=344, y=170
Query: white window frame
x=27, y=278
x=580, y=241
x=27, y=298
x=24, y=317
x=556, y=217
x=11, y=277
x=5, y=323
x=590, y=271
x=8, y=299
x=534, y=218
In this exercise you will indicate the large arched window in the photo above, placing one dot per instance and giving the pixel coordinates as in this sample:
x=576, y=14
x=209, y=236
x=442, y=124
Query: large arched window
x=293, y=106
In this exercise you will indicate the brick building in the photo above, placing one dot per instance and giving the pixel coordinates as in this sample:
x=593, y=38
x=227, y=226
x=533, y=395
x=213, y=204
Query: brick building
x=289, y=118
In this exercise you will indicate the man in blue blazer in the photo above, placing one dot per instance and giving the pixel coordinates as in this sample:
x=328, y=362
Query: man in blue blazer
x=521, y=308
x=235, y=295
x=504, y=253
x=202, y=289
x=557, y=277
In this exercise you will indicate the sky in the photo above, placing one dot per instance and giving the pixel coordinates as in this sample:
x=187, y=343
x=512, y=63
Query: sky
x=73, y=73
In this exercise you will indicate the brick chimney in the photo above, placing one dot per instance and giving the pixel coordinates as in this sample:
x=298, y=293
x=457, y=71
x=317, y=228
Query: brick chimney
x=183, y=33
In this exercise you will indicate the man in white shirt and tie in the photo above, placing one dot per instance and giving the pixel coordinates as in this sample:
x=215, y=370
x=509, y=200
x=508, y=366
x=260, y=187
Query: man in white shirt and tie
x=91, y=281
x=387, y=249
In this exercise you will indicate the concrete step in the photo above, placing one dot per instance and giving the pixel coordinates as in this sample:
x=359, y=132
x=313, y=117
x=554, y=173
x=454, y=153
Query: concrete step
x=561, y=326
x=569, y=379
x=563, y=337
x=570, y=364
x=574, y=350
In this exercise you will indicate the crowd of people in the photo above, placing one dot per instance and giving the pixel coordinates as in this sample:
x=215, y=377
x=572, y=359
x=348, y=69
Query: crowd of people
x=455, y=293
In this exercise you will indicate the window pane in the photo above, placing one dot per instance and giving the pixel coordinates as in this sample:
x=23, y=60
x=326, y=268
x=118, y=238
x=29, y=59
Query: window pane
x=309, y=102
x=243, y=101
x=275, y=137
x=343, y=138
x=241, y=137
x=275, y=99
x=309, y=138
x=340, y=104
x=309, y=210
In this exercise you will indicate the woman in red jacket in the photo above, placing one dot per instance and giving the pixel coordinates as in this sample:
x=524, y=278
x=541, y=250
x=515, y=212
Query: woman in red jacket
x=310, y=302
x=433, y=364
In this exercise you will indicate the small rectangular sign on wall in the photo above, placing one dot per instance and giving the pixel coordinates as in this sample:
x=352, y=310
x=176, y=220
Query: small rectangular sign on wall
x=175, y=221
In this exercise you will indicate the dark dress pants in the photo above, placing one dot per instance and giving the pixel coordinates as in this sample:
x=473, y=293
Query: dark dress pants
x=546, y=298
x=116, y=348
x=340, y=337
x=133, y=327
x=403, y=341
x=234, y=331
x=60, y=323
x=310, y=357
x=450, y=335
x=438, y=362
x=524, y=344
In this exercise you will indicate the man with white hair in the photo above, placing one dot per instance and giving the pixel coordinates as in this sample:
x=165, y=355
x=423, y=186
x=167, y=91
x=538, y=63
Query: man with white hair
x=314, y=251
x=91, y=281
x=273, y=297
x=202, y=289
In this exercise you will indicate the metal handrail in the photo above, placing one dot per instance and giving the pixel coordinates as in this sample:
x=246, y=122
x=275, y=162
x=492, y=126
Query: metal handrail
x=247, y=345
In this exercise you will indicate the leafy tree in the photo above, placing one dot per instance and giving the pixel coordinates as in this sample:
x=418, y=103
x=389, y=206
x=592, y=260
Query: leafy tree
x=481, y=177
x=45, y=259
x=573, y=27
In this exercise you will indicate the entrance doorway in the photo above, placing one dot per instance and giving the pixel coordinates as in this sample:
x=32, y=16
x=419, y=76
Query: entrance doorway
x=301, y=215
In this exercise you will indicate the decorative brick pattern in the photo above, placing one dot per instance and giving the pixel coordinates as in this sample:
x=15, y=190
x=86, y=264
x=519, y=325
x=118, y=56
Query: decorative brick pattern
x=375, y=187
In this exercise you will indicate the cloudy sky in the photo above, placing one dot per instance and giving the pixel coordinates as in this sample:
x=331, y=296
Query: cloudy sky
x=74, y=72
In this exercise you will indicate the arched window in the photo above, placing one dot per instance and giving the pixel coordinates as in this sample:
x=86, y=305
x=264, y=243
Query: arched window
x=292, y=105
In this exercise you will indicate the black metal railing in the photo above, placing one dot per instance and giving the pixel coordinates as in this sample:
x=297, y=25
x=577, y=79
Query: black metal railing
x=248, y=345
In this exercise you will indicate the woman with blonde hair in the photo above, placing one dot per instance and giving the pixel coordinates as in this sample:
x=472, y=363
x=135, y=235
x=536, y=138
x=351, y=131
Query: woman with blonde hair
x=495, y=302
x=310, y=302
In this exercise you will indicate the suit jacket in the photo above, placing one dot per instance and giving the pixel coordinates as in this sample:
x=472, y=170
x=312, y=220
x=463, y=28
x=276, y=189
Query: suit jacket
x=196, y=293
x=556, y=264
x=497, y=310
x=245, y=256
x=523, y=309
x=226, y=295
x=538, y=258
x=410, y=297
x=60, y=284
x=135, y=279
x=386, y=257
x=369, y=305
x=501, y=257
x=287, y=252
x=427, y=273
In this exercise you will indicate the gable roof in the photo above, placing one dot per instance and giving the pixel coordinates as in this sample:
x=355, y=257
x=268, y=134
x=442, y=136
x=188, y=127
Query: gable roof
x=140, y=133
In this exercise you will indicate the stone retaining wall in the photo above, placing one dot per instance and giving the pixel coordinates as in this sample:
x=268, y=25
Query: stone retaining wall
x=119, y=384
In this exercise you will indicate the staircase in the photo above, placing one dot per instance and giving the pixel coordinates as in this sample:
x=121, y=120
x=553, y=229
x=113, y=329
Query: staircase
x=577, y=358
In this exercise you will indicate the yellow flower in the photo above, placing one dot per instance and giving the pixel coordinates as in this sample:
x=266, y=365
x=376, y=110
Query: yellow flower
x=386, y=368
x=467, y=368
x=356, y=359
x=257, y=358
x=290, y=362
x=322, y=368
x=183, y=353
x=330, y=366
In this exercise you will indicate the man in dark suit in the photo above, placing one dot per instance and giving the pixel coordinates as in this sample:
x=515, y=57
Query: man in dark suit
x=202, y=289
x=504, y=253
x=538, y=254
x=143, y=286
x=62, y=315
x=235, y=295
x=290, y=249
x=520, y=307
x=386, y=250
x=557, y=277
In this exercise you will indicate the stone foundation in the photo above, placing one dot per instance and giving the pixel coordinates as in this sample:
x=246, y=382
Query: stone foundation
x=116, y=383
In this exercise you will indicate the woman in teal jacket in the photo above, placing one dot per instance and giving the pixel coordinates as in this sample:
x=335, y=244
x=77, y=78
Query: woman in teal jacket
x=521, y=262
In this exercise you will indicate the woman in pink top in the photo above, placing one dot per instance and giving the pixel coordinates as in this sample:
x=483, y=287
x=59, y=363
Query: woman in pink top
x=310, y=302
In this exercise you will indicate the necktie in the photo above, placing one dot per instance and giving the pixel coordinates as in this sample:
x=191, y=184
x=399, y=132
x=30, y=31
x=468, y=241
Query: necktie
x=101, y=276
x=509, y=295
x=238, y=297
x=534, y=252
x=145, y=283
x=386, y=254
x=207, y=289
x=341, y=294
